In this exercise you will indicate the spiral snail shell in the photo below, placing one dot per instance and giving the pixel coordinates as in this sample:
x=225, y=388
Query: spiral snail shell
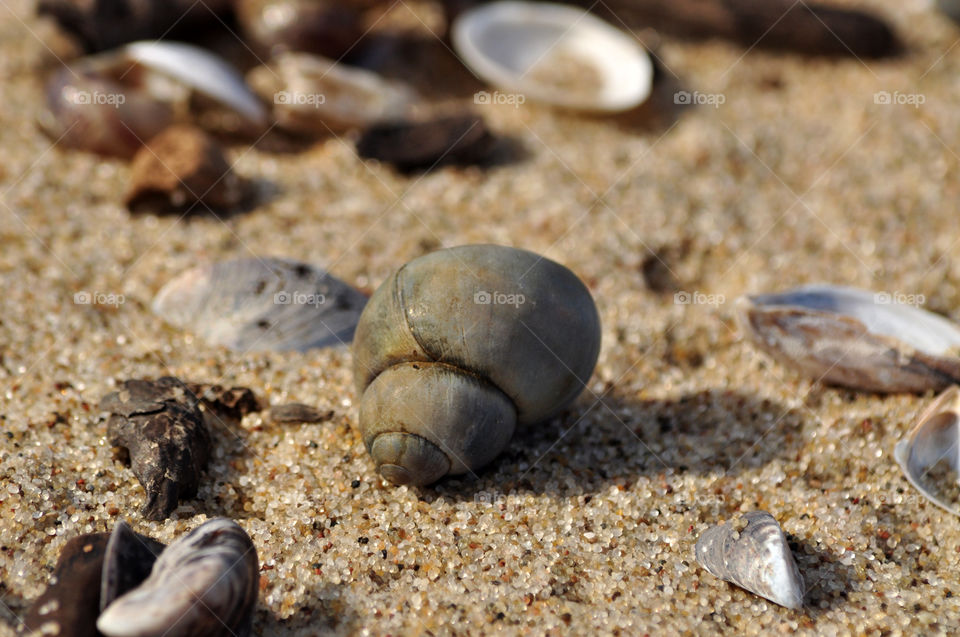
x=460, y=346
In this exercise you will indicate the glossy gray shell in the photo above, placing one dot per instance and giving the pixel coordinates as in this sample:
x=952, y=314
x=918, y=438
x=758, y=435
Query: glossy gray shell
x=461, y=345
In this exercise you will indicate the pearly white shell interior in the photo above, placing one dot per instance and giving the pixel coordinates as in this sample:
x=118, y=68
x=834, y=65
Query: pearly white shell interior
x=202, y=71
x=922, y=330
x=502, y=41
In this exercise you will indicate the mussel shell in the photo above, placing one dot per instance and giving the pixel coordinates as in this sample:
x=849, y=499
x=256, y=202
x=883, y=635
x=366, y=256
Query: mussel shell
x=128, y=560
x=205, y=583
x=262, y=304
x=850, y=337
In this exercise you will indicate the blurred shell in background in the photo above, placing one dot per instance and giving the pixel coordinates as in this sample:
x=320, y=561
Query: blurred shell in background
x=262, y=304
x=326, y=28
x=113, y=102
x=555, y=54
x=314, y=95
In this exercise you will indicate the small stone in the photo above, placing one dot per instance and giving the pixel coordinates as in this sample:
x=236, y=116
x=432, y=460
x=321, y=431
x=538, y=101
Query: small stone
x=183, y=169
x=297, y=412
x=164, y=431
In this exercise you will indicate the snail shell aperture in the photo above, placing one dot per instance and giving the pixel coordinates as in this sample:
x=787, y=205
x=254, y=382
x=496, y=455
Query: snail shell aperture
x=460, y=346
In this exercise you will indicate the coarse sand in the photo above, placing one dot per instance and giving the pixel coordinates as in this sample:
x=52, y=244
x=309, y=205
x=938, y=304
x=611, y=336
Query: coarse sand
x=584, y=525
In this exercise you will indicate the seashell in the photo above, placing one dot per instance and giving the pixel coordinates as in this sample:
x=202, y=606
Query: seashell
x=70, y=604
x=262, y=304
x=105, y=24
x=183, y=169
x=321, y=27
x=314, y=95
x=456, y=139
x=553, y=53
x=92, y=570
x=930, y=454
x=127, y=562
x=854, y=338
x=752, y=553
x=204, y=583
x=461, y=345
x=161, y=426
x=113, y=102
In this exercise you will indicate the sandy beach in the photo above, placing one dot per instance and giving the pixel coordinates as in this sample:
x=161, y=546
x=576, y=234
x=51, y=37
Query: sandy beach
x=585, y=524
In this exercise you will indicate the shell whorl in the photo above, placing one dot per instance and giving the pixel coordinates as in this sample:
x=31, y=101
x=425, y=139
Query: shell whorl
x=516, y=333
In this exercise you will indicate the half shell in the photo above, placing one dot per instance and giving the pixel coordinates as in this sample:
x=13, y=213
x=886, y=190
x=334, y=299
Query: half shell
x=554, y=53
x=752, y=553
x=262, y=304
x=854, y=338
x=113, y=102
x=204, y=583
x=311, y=94
x=930, y=454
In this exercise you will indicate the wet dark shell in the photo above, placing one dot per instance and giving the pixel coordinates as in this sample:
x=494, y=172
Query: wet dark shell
x=127, y=562
x=161, y=425
x=457, y=139
x=313, y=26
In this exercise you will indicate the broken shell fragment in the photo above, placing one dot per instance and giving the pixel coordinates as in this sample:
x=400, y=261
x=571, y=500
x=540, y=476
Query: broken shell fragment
x=456, y=139
x=314, y=95
x=113, y=102
x=854, y=338
x=553, y=53
x=161, y=426
x=753, y=553
x=204, y=583
x=262, y=304
x=183, y=169
x=930, y=454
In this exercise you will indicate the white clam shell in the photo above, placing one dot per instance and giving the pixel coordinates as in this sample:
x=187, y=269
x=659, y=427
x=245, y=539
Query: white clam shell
x=313, y=94
x=532, y=48
x=202, y=71
x=934, y=440
x=756, y=558
x=854, y=338
x=204, y=583
x=262, y=304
